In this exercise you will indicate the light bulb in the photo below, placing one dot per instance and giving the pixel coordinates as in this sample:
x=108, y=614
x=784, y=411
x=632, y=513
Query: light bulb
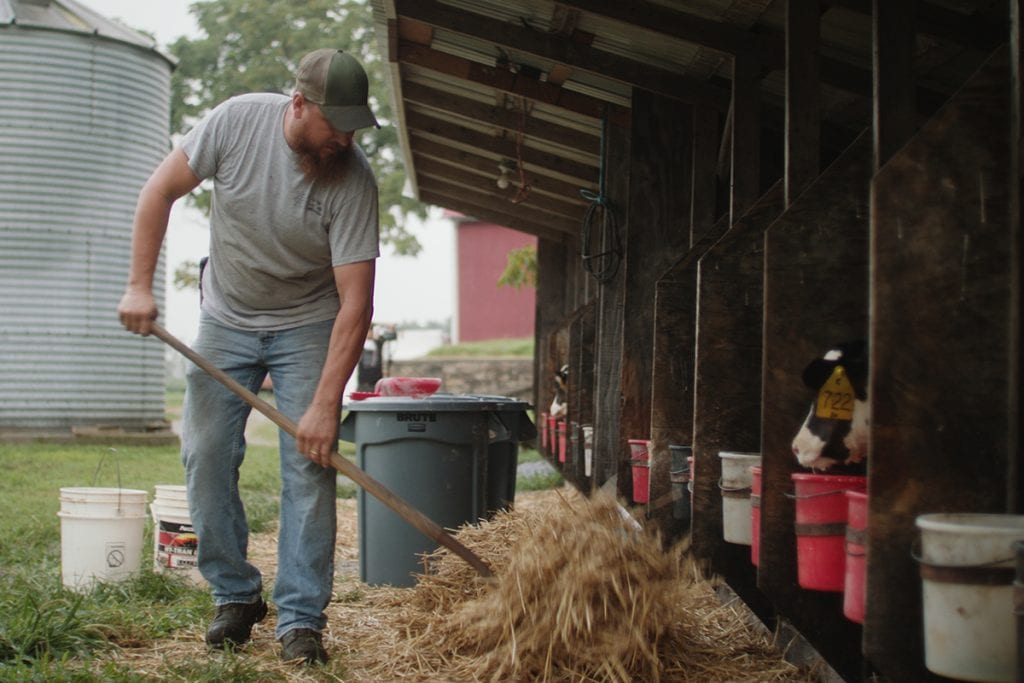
x=503, y=181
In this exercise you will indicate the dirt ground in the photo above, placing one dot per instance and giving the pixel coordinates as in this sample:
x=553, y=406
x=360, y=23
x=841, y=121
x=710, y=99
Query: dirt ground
x=370, y=638
x=368, y=635
x=351, y=623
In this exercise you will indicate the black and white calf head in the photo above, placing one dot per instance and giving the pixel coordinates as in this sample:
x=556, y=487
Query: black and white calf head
x=836, y=428
x=558, y=404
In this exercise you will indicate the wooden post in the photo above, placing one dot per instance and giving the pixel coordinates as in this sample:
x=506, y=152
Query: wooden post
x=895, y=104
x=659, y=202
x=944, y=343
x=803, y=112
x=609, y=323
x=727, y=383
x=815, y=294
x=704, y=176
x=746, y=135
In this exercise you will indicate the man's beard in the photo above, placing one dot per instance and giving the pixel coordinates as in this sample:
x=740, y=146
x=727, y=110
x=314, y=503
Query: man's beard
x=324, y=164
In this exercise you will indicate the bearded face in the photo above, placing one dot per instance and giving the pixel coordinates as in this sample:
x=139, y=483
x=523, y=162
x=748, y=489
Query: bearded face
x=326, y=162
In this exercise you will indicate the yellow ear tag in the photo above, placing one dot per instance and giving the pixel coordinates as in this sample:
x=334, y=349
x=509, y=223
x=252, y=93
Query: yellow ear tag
x=835, y=400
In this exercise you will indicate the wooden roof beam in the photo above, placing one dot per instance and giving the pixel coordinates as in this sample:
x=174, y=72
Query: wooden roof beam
x=510, y=82
x=485, y=184
x=768, y=47
x=478, y=206
x=555, y=47
x=418, y=122
x=541, y=184
x=673, y=23
x=970, y=30
x=511, y=121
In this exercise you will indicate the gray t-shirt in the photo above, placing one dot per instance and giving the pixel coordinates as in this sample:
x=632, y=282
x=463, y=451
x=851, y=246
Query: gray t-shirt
x=274, y=235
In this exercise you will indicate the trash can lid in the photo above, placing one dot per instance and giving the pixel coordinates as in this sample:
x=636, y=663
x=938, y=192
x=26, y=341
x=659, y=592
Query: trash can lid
x=438, y=403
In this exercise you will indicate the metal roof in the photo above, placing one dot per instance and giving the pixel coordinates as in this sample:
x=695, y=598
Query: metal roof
x=73, y=17
x=525, y=85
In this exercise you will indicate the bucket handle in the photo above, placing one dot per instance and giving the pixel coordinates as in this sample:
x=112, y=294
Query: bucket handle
x=117, y=465
x=983, y=574
x=733, y=489
x=819, y=494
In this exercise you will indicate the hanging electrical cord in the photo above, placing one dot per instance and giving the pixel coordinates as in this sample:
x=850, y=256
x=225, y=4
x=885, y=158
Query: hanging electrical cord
x=604, y=265
x=524, y=186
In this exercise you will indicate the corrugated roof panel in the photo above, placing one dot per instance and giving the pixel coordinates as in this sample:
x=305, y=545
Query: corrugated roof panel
x=483, y=52
x=488, y=95
x=534, y=13
x=74, y=17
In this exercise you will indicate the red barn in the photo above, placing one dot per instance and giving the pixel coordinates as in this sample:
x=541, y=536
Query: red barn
x=485, y=309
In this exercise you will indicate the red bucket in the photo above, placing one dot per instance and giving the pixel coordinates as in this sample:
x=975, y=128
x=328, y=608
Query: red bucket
x=552, y=434
x=856, y=525
x=543, y=432
x=641, y=482
x=821, y=511
x=562, y=440
x=755, y=513
x=638, y=450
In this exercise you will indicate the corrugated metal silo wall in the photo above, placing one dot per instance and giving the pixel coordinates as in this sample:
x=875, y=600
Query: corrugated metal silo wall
x=83, y=121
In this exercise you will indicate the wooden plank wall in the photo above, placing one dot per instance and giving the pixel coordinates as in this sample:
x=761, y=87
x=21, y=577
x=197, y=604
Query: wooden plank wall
x=943, y=349
x=1016, y=59
x=609, y=323
x=581, y=392
x=815, y=294
x=674, y=328
x=675, y=332
x=727, y=380
x=941, y=309
x=550, y=310
x=659, y=235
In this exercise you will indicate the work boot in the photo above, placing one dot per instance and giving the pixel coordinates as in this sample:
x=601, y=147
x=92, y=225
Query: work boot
x=303, y=644
x=233, y=623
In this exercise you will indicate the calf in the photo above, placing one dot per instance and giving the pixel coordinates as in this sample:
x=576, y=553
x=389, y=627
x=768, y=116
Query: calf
x=559, y=405
x=835, y=434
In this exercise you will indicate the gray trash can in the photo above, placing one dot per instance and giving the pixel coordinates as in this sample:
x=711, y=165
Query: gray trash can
x=507, y=427
x=453, y=457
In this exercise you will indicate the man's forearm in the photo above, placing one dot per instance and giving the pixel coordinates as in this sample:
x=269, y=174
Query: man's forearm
x=343, y=352
x=152, y=215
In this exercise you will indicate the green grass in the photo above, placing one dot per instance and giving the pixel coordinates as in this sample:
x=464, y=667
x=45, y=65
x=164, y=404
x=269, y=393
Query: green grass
x=49, y=633
x=539, y=482
x=491, y=347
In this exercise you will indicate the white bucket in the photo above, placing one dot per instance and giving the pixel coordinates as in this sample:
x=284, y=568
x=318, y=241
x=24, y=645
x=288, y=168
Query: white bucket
x=735, y=486
x=967, y=570
x=588, y=450
x=100, y=534
x=174, y=539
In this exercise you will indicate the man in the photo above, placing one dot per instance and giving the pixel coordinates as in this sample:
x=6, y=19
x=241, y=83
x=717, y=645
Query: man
x=288, y=290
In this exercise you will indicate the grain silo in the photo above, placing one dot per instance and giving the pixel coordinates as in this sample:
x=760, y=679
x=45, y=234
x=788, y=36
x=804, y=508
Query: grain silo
x=84, y=118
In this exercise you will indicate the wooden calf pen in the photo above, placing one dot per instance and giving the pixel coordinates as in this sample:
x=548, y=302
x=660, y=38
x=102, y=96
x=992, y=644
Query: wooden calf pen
x=920, y=256
x=771, y=178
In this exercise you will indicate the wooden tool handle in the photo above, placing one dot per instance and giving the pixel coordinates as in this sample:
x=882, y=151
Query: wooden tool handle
x=424, y=524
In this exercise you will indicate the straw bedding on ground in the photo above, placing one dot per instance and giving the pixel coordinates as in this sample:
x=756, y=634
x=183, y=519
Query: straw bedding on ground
x=579, y=594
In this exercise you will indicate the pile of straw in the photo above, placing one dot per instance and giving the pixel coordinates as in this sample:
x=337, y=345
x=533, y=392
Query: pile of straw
x=579, y=594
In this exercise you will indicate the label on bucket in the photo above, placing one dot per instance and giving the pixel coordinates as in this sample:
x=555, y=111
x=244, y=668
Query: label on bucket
x=116, y=554
x=176, y=545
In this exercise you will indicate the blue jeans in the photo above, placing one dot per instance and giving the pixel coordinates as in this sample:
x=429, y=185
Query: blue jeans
x=213, y=448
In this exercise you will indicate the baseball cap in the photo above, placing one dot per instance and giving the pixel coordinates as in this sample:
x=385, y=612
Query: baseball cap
x=336, y=81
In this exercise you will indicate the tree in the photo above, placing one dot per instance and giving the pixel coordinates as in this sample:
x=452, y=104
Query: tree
x=520, y=268
x=255, y=46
